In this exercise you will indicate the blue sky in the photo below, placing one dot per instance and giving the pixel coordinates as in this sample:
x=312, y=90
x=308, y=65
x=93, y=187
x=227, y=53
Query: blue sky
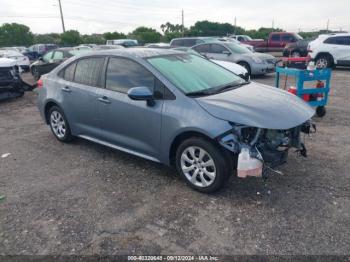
x=98, y=16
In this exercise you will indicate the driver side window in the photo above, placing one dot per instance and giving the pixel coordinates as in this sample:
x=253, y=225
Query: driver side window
x=217, y=49
x=123, y=74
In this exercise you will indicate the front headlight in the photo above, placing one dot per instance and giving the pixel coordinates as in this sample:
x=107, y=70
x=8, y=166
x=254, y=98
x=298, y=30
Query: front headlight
x=257, y=60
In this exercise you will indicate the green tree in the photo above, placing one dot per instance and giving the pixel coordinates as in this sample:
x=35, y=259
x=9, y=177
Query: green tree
x=51, y=38
x=262, y=32
x=93, y=39
x=146, y=35
x=171, y=31
x=15, y=35
x=207, y=28
x=113, y=35
x=71, y=37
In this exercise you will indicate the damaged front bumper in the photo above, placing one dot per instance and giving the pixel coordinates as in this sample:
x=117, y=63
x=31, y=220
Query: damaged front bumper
x=270, y=146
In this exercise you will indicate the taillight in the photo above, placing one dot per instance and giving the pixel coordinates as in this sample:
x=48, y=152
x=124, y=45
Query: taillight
x=39, y=83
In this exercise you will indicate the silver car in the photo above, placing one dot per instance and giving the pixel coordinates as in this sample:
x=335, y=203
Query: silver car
x=171, y=107
x=255, y=63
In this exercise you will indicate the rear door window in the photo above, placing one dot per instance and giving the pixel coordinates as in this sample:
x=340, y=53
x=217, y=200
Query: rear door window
x=68, y=73
x=287, y=38
x=217, y=49
x=123, y=74
x=88, y=71
x=276, y=38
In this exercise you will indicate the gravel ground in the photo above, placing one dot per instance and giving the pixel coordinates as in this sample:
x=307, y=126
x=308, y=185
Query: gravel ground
x=83, y=198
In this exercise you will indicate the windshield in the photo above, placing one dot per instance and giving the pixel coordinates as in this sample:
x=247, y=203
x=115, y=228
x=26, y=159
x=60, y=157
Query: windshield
x=191, y=73
x=238, y=49
x=298, y=37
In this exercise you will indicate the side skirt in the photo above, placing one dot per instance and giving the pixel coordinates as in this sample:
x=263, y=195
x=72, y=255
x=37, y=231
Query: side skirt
x=119, y=148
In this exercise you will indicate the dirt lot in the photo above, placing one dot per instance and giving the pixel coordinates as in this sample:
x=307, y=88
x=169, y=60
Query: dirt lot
x=83, y=198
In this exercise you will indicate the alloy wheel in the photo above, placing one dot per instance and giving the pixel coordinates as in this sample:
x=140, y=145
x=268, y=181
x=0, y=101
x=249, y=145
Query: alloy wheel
x=322, y=63
x=58, y=124
x=198, y=166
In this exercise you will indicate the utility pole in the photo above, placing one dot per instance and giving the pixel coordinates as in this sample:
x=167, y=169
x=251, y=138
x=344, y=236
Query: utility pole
x=183, y=23
x=273, y=23
x=235, y=26
x=64, y=29
x=327, y=25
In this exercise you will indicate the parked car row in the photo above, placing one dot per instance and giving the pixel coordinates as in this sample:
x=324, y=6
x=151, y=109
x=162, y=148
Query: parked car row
x=327, y=50
x=53, y=58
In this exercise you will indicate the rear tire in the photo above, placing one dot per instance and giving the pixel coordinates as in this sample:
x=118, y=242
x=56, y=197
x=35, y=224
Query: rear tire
x=59, y=124
x=246, y=66
x=324, y=61
x=202, y=165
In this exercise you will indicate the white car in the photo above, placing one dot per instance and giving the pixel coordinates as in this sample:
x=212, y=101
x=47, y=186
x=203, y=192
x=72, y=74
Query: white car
x=21, y=60
x=330, y=50
x=234, y=68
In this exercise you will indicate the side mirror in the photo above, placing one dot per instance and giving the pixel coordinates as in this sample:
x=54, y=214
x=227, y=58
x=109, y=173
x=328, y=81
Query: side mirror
x=141, y=93
x=226, y=52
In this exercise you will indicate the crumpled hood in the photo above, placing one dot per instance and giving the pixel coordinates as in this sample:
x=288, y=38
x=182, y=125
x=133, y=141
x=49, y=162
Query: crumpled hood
x=258, y=105
x=7, y=62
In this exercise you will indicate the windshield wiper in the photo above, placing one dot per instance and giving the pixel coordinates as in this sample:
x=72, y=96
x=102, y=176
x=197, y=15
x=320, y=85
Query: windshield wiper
x=200, y=93
x=230, y=86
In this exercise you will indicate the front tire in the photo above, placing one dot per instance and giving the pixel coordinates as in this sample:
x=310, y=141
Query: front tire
x=203, y=166
x=59, y=124
x=246, y=66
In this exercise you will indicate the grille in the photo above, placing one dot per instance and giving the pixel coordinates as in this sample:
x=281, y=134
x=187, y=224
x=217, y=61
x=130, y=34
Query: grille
x=5, y=74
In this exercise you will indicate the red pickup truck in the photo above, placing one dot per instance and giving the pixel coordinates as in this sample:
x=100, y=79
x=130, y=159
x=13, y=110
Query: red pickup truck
x=276, y=42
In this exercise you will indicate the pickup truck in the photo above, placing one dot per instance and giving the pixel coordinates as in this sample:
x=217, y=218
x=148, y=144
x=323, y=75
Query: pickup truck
x=276, y=42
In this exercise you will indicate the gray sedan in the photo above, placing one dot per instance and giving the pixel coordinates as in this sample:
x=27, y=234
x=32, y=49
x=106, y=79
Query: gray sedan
x=172, y=107
x=255, y=63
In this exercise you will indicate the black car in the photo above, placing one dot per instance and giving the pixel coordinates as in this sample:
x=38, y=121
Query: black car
x=296, y=49
x=52, y=59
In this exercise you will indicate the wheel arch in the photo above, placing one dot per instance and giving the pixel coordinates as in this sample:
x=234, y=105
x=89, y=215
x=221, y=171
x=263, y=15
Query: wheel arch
x=325, y=54
x=47, y=107
x=182, y=137
x=245, y=62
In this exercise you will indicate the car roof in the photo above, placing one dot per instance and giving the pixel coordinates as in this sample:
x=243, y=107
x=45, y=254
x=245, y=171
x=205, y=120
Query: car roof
x=137, y=52
x=195, y=37
x=334, y=34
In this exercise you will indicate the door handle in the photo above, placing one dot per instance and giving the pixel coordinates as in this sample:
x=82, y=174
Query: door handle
x=66, y=89
x=104, y=99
